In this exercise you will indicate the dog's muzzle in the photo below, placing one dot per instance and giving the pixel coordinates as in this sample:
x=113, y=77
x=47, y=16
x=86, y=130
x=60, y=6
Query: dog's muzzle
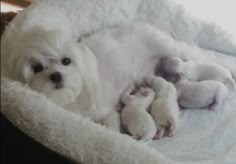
x=57, y=79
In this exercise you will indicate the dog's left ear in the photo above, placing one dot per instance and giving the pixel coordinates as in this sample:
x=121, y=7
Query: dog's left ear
x=90, y=76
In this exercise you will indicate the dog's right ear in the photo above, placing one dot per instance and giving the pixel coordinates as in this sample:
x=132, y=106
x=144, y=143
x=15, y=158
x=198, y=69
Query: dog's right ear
x=25, y=73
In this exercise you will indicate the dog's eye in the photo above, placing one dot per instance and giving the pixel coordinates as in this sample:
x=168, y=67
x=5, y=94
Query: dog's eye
x=66, y=61
x=37, y=68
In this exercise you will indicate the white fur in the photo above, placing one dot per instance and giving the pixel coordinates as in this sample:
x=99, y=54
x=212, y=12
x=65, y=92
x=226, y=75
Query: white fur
x=120, y=55
x=164, y=109
x=134, y=115
x=80, y=142
x=48, y=48
x=198, y=70
x=201, y=94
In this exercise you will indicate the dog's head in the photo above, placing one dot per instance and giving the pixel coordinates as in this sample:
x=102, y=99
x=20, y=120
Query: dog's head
x=51, y=63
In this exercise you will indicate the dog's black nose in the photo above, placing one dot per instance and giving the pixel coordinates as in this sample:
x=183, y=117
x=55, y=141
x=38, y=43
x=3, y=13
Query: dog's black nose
x=56, y=77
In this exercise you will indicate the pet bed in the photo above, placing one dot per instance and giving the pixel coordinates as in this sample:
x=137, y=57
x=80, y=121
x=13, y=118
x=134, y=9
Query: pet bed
x=203, y=137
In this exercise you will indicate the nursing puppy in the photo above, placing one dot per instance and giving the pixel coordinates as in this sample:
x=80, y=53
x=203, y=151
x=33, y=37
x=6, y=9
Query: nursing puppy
x=164, y=109
x=197, y=71
x=203, y=94
x=134, y=115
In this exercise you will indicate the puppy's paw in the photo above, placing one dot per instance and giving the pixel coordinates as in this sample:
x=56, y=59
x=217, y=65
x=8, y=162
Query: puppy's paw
x=147, y=92
x=213, y=105
x=164, y=131
x=159, y=134
x=149, y=80
x=167, y=127
x=169, y=130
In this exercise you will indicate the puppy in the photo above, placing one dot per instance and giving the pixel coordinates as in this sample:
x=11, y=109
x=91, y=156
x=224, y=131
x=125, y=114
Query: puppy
x=134, y=115
x=201, y=94
x=164, y=109
x=197, y=71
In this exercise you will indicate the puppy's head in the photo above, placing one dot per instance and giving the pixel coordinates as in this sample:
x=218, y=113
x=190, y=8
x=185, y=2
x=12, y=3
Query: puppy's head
x=172, y=65
x=142, y=97
x=51, y=63
x=172, y=69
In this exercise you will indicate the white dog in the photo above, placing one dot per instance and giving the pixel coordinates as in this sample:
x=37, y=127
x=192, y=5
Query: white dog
x=83, y=82
x=164, y=109
x=52, y=63
x=134, y=115
x=201, y=94
x=198, y=71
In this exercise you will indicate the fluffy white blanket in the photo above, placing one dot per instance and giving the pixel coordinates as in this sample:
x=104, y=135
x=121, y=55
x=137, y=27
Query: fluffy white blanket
x=203, y=135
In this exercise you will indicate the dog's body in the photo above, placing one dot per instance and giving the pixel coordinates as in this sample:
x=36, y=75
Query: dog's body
x=199, y=71
x=164, y=109
x=201, y=94
x=119, y=56
x=134, y=115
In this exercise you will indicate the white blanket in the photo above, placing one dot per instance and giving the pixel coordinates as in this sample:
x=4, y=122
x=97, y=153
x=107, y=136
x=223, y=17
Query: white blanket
x=203, y=135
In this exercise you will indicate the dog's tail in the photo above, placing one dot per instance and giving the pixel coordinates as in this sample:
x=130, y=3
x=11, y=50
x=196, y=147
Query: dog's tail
x=231, y=84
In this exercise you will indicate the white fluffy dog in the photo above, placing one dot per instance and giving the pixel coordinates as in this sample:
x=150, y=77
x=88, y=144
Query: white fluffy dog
x=135, y=118
x=87, y=83
x=164, y=109
x=208, y=93
x=197, y=71
x=52, y=63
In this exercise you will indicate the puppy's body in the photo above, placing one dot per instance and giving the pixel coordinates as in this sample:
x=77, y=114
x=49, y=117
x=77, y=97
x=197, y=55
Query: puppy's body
x=199, y=71
x=164, y=109
x=201, y=94
x=134, y=115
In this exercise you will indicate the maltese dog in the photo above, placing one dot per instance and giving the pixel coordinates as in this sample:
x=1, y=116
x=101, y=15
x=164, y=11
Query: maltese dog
x=90, y=82
x=52, y=63
x=164, y=109
x=208, y=93
x=135, y=118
